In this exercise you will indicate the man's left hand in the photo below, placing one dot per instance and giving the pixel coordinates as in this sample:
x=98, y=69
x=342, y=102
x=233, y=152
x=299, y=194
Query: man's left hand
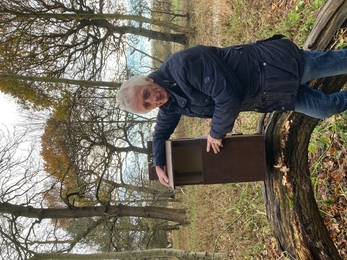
x=216, y=144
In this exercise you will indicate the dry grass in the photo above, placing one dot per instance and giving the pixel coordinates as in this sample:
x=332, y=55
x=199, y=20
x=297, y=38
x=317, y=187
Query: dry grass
x=230, y=218
x=225, y=218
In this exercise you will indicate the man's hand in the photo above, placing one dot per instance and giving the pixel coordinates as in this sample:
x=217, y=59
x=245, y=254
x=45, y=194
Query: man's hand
x=216, y=144
x=162, y=177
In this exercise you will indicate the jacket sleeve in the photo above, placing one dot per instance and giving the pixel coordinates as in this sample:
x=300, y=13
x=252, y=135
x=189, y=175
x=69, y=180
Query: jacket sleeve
x=165, y=126
x=208, y=74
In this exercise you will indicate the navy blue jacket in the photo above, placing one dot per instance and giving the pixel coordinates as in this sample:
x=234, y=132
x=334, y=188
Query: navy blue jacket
x=218, y=83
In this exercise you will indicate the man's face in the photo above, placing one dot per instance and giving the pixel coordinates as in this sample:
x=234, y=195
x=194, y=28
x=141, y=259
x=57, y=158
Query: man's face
x=149, y=96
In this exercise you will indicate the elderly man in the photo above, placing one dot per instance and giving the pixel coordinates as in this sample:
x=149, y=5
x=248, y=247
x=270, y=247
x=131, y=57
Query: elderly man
x=218, y=83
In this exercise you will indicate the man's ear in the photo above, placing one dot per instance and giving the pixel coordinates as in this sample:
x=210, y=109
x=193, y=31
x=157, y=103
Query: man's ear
x=149, y=80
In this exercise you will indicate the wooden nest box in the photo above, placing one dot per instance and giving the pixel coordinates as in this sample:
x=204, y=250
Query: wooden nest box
x=242, y=159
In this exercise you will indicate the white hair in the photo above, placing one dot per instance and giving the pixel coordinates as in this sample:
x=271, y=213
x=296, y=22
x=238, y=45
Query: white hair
x=125, y=94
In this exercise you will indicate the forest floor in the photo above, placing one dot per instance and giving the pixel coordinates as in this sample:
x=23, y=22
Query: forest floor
x=232, y=218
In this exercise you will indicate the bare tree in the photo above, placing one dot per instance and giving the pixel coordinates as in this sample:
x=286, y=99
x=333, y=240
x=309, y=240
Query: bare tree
x=141, y=254
x=170, y=214
x=73, y=36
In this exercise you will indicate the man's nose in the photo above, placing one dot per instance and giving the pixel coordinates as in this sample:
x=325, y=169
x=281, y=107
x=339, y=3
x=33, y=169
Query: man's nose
x=153, y=99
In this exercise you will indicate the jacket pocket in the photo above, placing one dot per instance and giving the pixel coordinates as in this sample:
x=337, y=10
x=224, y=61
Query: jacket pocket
x=280, y=81
x=280, y=76
x=255, y=80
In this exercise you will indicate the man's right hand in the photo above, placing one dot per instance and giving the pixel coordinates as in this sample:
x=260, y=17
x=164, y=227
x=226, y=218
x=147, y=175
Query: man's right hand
x=162, y=177
x=216, y=144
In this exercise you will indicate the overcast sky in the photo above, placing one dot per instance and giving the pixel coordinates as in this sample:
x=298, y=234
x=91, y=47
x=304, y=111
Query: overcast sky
x=9, y=114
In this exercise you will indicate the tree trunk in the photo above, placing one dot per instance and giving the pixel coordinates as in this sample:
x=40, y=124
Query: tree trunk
x=180, y=38
x=140, y=254
x=329, y=20
x=176, y=215
x=290, y=202
x=86, y=83
x=288, y=193
x=115, y=16
x=100, y=20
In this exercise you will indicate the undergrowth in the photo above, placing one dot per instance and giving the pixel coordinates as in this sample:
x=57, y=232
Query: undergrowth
x=231, y=217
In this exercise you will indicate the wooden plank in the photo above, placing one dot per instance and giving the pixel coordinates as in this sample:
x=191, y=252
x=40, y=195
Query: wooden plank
x=242, y=159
